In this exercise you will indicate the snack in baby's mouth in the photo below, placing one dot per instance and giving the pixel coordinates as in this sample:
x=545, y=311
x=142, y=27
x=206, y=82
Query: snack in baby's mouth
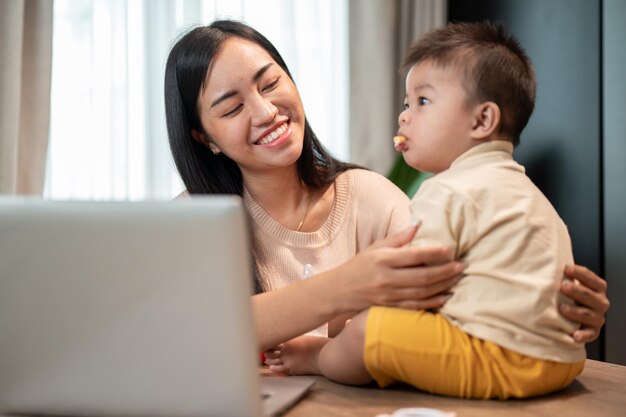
x=398, y=143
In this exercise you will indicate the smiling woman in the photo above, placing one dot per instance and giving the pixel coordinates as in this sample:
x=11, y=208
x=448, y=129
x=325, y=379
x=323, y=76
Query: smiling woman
x=107, y=135
x=241, y=102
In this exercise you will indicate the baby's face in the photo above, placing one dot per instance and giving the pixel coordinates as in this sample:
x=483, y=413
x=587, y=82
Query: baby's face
x=436, y=120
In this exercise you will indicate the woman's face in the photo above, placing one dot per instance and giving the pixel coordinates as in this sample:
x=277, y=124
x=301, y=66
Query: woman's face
x=250, y=109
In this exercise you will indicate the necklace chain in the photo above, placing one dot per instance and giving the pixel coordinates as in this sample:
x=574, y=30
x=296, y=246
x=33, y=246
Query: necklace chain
x=308, y=205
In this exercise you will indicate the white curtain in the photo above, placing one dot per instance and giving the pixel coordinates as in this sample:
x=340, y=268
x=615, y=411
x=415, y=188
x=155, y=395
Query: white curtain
x=108, y=138
x=380, y=33
x=25, y=57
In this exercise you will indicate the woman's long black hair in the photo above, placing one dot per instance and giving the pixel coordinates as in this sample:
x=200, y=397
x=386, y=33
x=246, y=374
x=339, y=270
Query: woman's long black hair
x=202, y=171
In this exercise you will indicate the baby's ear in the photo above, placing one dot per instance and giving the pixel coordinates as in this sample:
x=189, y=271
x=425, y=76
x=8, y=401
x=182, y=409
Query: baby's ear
x=486, y=120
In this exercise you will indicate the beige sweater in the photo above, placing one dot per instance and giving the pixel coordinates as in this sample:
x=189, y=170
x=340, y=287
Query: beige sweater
x=367, y=207
x=515, y=245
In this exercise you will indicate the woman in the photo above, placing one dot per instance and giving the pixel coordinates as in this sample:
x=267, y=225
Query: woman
x=236, y=126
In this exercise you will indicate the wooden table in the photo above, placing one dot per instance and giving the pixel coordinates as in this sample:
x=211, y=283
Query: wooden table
x=599, y=391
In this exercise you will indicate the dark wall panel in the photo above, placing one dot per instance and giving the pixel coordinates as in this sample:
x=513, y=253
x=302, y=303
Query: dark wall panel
x=614, y=87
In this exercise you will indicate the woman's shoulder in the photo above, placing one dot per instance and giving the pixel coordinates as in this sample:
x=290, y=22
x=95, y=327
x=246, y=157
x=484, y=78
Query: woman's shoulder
x=381, y=206
x=363, y=181
x=182, y=196
x=371, y=187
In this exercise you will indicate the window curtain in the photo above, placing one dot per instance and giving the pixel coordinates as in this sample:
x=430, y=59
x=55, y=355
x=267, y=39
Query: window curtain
x=108, y=138
x=379, y=34
x=25, y=61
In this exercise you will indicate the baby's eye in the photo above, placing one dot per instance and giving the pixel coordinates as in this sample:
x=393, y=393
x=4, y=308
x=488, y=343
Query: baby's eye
x=423, y=101
x=405, y=105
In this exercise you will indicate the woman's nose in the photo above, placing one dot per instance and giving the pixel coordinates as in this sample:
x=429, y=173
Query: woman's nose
x=263, y=111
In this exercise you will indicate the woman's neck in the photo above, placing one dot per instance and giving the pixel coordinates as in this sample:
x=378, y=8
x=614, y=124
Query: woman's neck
x=281, y=193
x=289, y=201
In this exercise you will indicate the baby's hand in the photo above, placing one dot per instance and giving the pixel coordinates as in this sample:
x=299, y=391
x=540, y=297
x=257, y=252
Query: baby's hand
x=298, y=356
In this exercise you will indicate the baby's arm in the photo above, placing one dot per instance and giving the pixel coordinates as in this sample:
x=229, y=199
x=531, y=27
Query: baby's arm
x=444, y=217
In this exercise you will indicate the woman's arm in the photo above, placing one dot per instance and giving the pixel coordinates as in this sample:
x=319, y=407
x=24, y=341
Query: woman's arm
x=589, y=292
x=387, y=273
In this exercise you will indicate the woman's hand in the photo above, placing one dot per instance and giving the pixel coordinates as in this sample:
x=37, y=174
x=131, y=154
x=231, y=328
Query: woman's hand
x=391, y=274
x=387, y=273
x=589, y=291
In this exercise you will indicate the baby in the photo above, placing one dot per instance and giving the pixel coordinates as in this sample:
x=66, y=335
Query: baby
x=470, y=92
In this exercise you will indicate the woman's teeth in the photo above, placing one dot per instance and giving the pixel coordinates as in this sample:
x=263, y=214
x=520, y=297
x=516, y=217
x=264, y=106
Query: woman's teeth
x=274, y=135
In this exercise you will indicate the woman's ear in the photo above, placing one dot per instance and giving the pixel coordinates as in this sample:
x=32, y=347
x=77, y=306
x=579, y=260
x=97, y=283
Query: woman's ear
x=487, y=118
x=204, y=139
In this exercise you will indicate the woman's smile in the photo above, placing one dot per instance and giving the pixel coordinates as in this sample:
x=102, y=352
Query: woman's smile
x=250, y=105
x=275, y=135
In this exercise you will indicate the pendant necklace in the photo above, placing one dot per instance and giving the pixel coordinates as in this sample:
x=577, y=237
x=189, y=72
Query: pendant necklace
x=308, y=205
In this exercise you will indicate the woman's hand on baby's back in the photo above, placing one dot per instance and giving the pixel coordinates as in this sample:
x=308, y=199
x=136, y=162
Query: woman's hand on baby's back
x=391, y=273
x=588, y=291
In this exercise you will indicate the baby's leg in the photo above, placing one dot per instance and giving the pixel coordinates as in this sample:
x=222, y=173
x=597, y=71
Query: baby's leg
x=299, y=356
x=341, y=359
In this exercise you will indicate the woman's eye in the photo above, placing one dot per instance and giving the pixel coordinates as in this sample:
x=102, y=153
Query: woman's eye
x=233, y=111
x=423, y=101
x=271, y=85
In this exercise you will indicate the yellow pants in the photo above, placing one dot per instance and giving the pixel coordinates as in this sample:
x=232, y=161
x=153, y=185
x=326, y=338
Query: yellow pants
x=425, y=350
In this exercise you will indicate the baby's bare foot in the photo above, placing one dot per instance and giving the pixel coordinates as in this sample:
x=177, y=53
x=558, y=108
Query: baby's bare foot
x=299, y=356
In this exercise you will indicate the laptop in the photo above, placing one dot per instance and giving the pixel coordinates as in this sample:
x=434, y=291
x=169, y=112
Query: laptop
x=111, y=309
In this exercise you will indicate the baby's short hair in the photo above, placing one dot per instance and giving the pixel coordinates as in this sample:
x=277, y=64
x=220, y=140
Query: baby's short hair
x=494, y=66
